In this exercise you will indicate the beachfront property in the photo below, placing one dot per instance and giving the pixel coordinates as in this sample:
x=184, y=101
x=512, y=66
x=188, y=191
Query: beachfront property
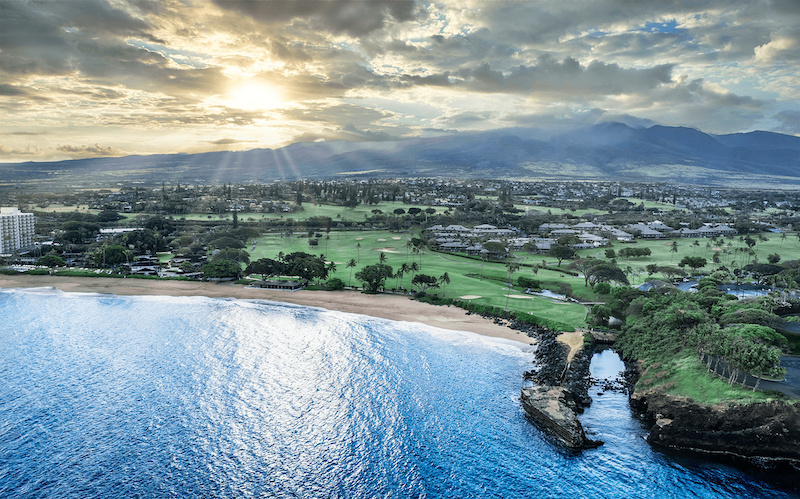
x=16, y=230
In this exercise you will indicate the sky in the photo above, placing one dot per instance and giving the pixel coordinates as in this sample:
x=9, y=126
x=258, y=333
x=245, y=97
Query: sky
x=95, y=78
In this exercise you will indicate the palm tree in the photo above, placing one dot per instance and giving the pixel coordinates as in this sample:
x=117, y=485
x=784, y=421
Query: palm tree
x=673, y=249
x=511, y=268
x=444, y=279
x=358, y=247
x=413, y=268
x=409, y=245
x=382, y=258
x=352, y=263
x=783, y=237
x=404, y=269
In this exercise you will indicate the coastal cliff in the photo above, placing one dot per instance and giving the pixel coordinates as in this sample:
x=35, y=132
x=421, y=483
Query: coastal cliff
x=553, y=409
x=562, y=377
x=762, y=431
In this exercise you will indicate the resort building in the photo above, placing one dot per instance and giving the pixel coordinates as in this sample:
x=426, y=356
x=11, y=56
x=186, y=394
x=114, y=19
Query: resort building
x=16, y=230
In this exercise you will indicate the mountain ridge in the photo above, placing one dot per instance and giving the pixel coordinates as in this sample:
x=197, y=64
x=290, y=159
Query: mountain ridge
x=607, y=151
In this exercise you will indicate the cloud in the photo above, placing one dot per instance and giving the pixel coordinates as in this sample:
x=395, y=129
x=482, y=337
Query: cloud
x=348, y=133
x=227, y=141
x=783, y=47
x=90, y=150
x=567, y=78
x=20, y=93
x=27, y=151
x=789, y=122
x=351, y=17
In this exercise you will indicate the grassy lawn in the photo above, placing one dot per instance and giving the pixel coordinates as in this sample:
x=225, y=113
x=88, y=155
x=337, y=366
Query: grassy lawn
x=685, y=375
x=662, y=255
x=465, y=273
x=336, y=213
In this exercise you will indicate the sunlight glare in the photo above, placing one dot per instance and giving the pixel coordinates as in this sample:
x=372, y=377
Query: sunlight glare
x=253, y=96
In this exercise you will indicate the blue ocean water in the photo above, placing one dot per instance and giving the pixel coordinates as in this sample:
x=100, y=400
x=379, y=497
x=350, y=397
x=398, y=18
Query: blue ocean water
x=104, y=396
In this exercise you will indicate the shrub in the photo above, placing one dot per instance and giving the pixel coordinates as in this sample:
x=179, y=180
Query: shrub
x=602, y=288
x=527, y=282
x=334, y=284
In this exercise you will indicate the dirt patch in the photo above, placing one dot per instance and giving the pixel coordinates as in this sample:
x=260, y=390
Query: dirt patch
x=573, y=340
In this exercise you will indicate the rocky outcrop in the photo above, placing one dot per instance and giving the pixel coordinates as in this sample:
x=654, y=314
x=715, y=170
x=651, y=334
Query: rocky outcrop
x=763, y=431
x=553, y=409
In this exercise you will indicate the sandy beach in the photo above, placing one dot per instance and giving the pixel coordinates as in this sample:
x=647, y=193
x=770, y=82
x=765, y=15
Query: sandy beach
x=392, y=307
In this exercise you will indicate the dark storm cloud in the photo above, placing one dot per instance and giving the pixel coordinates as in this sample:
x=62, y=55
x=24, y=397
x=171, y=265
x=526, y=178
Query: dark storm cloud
x=352, y=17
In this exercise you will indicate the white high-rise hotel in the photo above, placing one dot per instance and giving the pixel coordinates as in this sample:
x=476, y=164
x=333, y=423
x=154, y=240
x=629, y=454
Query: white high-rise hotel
x=16, y=230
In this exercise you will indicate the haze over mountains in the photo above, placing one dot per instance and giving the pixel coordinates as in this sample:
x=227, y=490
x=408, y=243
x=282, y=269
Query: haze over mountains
x=609, y=151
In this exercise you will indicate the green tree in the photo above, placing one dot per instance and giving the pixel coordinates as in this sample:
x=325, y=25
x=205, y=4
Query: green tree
x=352, y=263
x=374, y=276
x=561, y=252
x=424, y=282
x=496, y=248
x=51, y=260
x=444, y=279
x=511, y=267
x=267, y=267
x=305, y=266
x=606, y=272
x=693, y=262
x=235, y=255
x=112, y=254
x=221, y=268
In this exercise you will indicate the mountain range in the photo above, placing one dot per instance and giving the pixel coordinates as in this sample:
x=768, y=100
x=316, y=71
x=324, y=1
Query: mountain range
x=608, y=151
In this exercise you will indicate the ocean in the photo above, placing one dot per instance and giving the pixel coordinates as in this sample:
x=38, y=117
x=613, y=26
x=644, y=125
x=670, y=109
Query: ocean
x=105, y=396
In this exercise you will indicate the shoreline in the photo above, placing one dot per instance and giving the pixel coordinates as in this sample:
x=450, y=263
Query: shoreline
x=391, y=307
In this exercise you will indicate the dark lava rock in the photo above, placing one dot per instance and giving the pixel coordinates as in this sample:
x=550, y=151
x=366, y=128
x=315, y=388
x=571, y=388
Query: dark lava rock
x=762, y=431
x=553, y=409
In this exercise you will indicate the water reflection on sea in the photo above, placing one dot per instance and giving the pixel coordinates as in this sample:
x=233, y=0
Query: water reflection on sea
x=107, y=396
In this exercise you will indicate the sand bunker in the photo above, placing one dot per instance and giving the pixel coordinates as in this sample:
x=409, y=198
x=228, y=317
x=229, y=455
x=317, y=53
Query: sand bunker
x=470, y=297
x=396, y=238
x=382, y=240
x=359, y=238
x=716, y=249
x=520, y=296
x=386, y=250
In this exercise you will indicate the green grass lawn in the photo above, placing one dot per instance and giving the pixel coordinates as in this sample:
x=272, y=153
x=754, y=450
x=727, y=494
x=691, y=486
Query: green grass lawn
x=685, y=375
x=662, y=255
x=336, y=213
x=465, y=273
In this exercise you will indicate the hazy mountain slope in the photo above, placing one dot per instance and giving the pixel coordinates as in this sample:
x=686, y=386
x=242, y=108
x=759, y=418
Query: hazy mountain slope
x=606, y=151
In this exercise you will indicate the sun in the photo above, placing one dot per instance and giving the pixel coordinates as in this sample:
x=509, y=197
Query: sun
x=253, y=96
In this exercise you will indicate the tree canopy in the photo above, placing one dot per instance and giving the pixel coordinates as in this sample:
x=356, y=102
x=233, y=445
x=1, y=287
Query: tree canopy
x=374, y=276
